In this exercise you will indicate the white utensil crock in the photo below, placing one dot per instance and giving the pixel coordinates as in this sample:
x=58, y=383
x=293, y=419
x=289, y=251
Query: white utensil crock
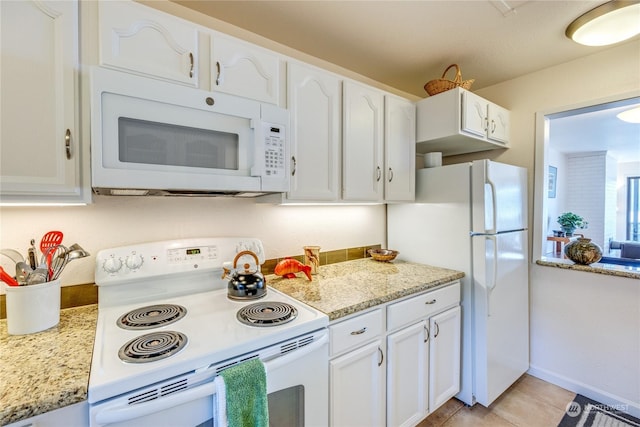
x=33, y=308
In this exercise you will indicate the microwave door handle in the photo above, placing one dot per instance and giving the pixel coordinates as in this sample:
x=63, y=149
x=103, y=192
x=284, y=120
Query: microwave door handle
x=126, y=413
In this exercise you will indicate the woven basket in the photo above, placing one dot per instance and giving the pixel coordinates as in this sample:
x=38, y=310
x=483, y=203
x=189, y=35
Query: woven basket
x=436, y=86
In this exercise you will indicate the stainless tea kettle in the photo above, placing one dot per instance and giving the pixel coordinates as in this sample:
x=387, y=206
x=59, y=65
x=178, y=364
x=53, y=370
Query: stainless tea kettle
x=245, y=284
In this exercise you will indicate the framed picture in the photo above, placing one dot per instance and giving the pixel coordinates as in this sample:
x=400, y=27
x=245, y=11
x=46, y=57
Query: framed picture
x=553, y=179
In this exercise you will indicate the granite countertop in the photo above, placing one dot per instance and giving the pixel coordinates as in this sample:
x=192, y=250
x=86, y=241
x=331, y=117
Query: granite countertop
x=348, y=287
x=600, y=268
x=47, y=370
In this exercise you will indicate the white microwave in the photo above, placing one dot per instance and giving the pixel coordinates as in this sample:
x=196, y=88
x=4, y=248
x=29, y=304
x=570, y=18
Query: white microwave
x=150, y=137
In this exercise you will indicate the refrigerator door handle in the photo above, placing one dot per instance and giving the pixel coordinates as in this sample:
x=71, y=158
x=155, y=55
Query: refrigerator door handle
x=494, y=207
x=494, y=270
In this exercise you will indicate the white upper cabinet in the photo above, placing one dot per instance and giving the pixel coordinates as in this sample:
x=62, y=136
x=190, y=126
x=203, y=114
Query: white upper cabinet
x=243, y=69
x=140, y=39
x=40, y=152
x=458, y=121
x=362, y=153
x=399, y=148
x=314, y=106
x=484, y=119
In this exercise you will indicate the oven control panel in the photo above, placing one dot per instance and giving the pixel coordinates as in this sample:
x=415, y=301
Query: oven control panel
x=155, y=259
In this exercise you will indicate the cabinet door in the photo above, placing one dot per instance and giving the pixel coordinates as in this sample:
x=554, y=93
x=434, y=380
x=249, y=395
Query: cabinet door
x=362, y=157
x=314, y=105
x=138, y=38
x=474, y=114
x=357, y=387
x=400, y=149
x=407, y=375
x=498, y=123
x=245, y=70
x=40, y=159
x=444, y=357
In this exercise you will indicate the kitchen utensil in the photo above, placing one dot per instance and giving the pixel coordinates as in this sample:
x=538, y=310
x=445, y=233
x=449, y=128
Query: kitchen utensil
x=384, y=255
x=22, y=271
x=12, y=254
x=4, y=276
x=58, y=261
x=245, y=284
x=50, y=240
x=32, y=254
x=76, y=251
x=37, y=276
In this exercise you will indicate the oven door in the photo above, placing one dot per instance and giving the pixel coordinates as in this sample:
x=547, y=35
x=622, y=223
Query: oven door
x=297, y=392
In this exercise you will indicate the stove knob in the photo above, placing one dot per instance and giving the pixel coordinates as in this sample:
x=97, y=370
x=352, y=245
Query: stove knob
x=134, y=261
x=112, y=265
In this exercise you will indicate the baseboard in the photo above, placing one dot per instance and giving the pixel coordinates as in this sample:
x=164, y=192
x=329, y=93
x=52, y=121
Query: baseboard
x=617, y=402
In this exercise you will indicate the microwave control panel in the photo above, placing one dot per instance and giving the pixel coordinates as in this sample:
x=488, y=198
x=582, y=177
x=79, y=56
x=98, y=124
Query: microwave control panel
x=274, y=150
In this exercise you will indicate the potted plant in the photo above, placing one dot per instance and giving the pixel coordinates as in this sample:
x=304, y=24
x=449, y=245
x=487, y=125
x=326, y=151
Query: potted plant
x=569, y=222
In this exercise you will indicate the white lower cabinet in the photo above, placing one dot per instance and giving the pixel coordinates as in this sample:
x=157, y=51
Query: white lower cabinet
x=357, y=387
x=407, y=375
x=444, y=356
x=418, y=372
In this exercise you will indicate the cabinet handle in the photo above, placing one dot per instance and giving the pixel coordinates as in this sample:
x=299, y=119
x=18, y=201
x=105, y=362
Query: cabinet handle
x=378, y=173
x=390, y=174
x=219, y=73
x=486, y=124
x=493, y=126
x=191, y=62
x=67, y=144
x=427, y=334
x=293, y=165
x=359, y=332
x=433, y=301
x=381, y=357
x=437, y=330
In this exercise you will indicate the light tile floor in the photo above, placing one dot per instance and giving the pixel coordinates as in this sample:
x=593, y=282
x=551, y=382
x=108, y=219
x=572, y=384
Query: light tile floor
x=530, y=402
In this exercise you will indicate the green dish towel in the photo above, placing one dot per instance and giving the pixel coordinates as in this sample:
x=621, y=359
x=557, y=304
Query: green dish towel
x=246, y=389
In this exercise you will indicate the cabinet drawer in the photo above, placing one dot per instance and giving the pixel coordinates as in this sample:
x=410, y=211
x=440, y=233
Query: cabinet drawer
x=422, y=306
x=355, y=332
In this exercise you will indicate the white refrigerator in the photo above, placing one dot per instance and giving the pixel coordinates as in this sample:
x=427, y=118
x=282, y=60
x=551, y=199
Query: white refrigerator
x=472, y=217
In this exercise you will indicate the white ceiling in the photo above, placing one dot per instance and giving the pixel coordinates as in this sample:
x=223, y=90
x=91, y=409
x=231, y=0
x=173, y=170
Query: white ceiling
x=404, y=44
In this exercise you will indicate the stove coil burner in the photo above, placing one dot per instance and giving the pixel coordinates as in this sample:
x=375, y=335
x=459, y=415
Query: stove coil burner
x=267, y=313
x=152, y=346
x=152, y=316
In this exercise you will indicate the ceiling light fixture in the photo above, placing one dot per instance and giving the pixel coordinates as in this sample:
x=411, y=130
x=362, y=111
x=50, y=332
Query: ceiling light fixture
x=630, y=116
x=609, y=23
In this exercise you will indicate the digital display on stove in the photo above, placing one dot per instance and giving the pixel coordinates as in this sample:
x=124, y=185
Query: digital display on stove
x=195, y=251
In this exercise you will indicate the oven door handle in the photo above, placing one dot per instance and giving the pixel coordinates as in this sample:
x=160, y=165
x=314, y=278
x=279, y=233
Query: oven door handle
x=273, y=364
x=119, y=414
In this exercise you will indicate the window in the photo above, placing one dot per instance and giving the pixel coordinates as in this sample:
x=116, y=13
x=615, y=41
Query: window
x=595, y=158
x=633, y=208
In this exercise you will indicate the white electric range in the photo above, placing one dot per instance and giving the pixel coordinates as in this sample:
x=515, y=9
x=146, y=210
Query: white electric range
x=178, y=285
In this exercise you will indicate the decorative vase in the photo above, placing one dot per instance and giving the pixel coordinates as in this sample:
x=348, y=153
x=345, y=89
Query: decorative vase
x=583, y=251
x=568, y=231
